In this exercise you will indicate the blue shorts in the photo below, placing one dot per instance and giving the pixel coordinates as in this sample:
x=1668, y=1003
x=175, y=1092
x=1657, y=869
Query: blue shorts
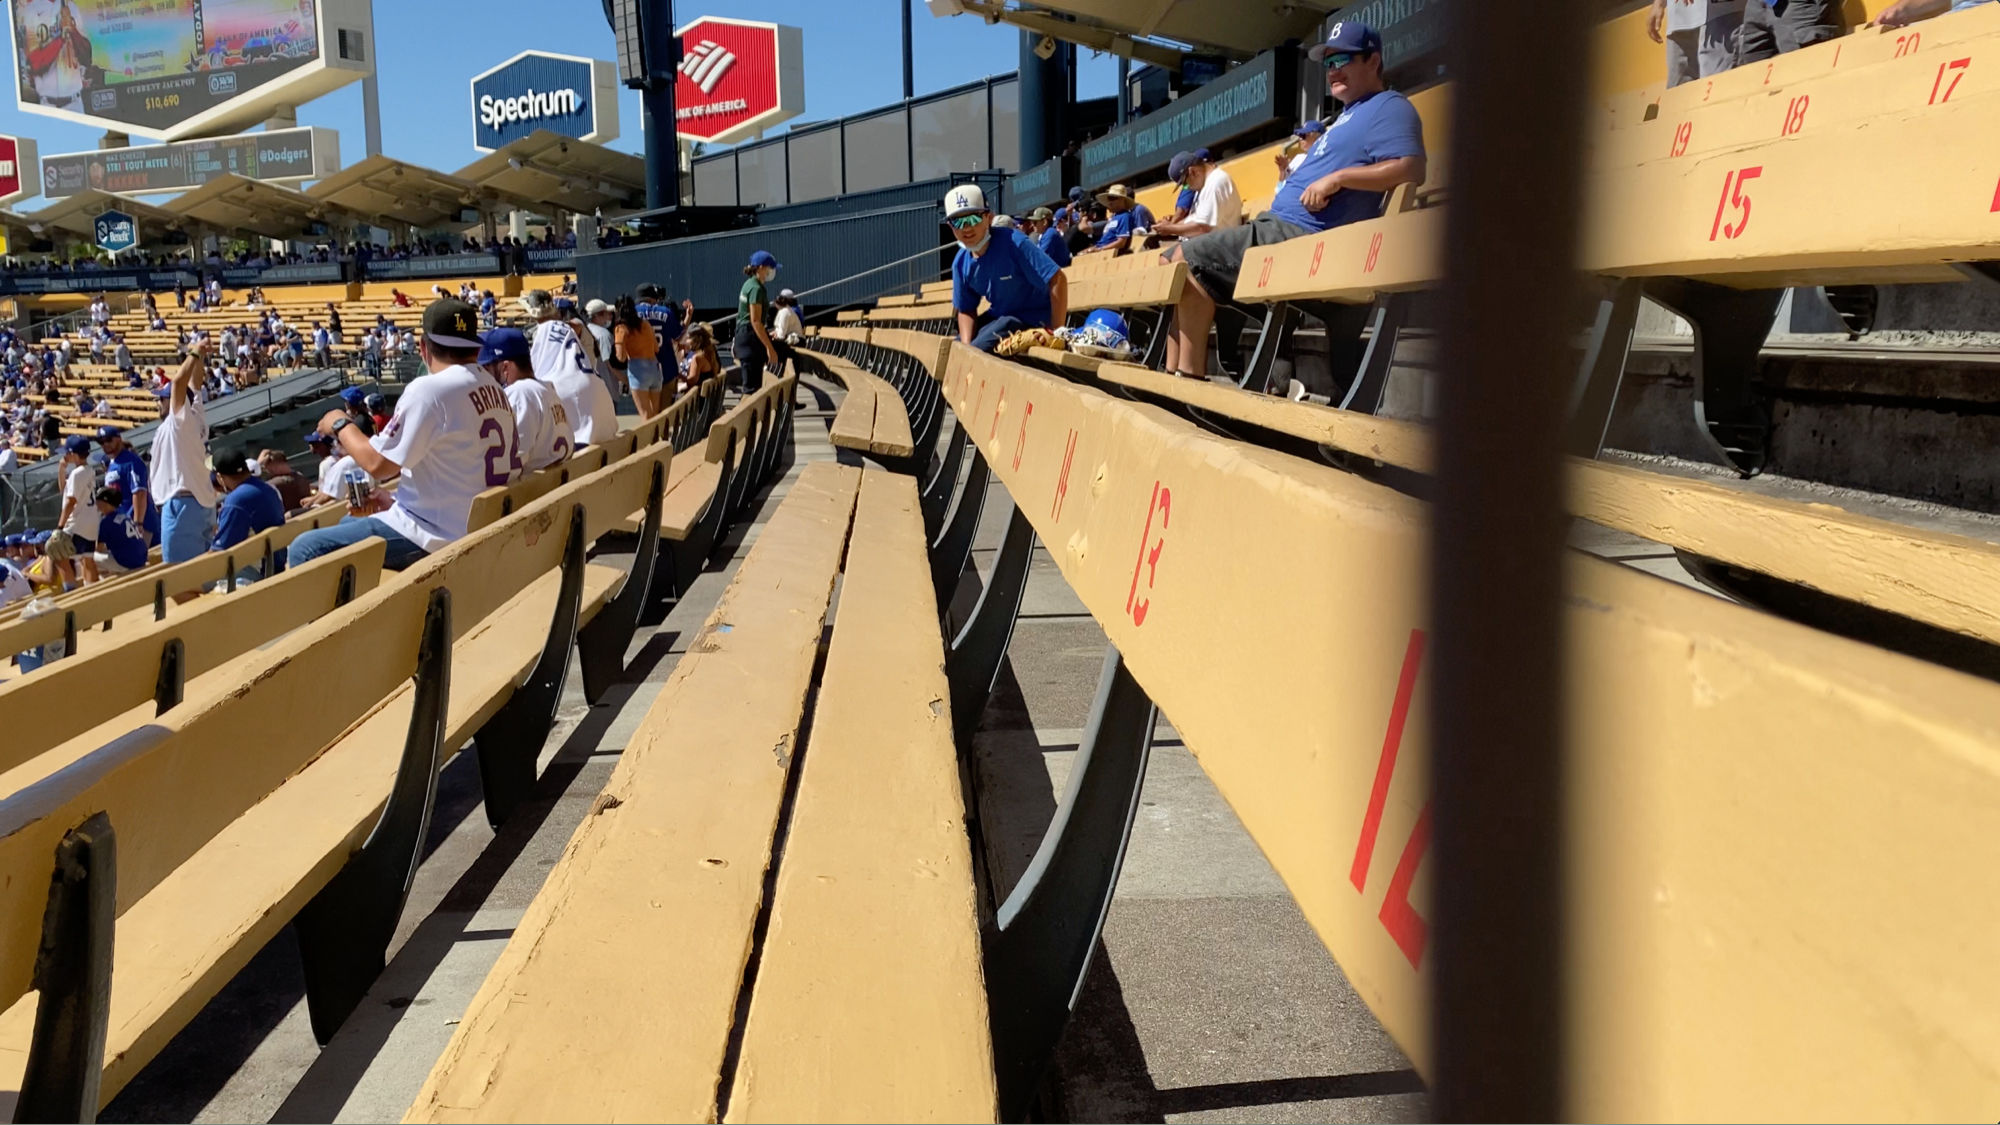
x=645, y=374
x=186, y=529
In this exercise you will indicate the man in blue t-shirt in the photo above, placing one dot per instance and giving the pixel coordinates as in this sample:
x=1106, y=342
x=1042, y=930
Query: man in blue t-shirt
x=1021, y=286
x=248, y=504
x=1041, y=224
x=1376, y=144
x=1128, y=217
x=124, y=471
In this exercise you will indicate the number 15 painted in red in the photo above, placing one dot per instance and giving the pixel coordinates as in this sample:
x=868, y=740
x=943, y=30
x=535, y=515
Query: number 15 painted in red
x=1734, y=199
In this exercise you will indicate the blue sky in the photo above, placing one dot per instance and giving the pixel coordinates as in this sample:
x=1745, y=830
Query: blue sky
x=428, y=51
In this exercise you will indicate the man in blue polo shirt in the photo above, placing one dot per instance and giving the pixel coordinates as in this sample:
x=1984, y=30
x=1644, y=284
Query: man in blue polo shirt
x=1128, y=217
x=1021, y=286
x=1375, y=144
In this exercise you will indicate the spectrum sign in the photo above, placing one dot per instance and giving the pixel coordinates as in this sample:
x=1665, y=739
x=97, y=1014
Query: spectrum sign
x=737, y=78
x=537, y=90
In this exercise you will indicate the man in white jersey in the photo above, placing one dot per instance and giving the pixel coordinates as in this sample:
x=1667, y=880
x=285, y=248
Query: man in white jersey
x=539, y=416
x=560, y=361
x=181, y=482
x=79, y=508
x=452, y=437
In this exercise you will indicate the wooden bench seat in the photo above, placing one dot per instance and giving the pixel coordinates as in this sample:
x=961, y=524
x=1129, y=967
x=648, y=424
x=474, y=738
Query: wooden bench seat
x=871, y=419
x=668, y=870
x=868, y=1000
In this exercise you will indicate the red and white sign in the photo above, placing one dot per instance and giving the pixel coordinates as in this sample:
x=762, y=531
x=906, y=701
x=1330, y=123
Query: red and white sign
x=737, y=78
x=20, y=169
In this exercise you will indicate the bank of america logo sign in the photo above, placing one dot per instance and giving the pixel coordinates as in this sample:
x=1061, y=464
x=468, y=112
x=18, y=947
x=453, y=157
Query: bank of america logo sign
x=706, y=64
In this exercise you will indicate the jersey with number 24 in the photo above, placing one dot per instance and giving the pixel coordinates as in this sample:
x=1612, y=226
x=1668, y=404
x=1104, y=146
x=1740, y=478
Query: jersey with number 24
x=453, y=435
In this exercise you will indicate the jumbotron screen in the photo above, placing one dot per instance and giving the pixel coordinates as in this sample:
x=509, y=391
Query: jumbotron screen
x=155, y=63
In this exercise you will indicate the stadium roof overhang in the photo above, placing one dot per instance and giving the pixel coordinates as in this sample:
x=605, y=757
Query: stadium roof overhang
x=77, y=214
x=386, y=188
x=562, y=172
x=1124, y=27
x=233, y=202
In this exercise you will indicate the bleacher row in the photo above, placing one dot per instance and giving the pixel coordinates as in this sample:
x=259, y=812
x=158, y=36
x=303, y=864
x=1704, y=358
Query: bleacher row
x=1781, y=834
x=1777, y=896
x=214, y=770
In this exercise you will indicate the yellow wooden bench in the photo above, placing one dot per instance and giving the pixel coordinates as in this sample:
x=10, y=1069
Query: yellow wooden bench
x=1704, y=737
x=1729, y=223
x=867, y=1001
x=270, y=796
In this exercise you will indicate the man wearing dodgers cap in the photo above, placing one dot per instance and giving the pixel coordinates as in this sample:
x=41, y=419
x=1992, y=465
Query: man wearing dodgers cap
x=1022, y=287
x=451, y=438
x=1375, y=144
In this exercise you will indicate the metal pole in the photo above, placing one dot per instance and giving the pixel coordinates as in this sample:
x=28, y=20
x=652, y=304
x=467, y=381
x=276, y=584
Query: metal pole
x=909, y=53
x=371, y=114
x=1124, y=89
x=663, y=171
x=1497, y=988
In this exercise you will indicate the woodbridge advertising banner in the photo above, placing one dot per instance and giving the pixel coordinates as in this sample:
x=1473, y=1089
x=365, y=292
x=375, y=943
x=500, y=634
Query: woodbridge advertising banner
x=279, y=155
x=1253, y=94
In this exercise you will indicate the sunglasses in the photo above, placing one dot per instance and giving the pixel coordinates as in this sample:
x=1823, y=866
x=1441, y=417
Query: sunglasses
x=1336, y=61
x=966, y=222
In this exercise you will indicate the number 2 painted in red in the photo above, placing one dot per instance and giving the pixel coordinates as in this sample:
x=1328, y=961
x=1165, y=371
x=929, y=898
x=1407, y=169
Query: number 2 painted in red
x=1405, y=925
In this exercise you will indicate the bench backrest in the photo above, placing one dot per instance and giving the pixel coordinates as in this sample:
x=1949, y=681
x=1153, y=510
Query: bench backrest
x=1691, y=722
x=170, y=785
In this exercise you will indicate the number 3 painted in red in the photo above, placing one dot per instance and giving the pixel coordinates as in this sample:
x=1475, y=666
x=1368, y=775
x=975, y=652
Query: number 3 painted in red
x=1407, y=927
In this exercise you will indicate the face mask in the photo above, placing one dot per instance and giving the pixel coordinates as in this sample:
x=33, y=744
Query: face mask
x=984, y=240
x=767, y=275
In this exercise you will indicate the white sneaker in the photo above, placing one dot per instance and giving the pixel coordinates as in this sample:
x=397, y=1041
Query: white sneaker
x=1296, y=392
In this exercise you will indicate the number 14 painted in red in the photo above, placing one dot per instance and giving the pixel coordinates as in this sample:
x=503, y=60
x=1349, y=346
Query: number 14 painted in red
x=1405, y=925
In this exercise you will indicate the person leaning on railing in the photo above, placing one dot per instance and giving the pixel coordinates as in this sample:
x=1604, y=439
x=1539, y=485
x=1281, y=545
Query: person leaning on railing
x=1375, y=144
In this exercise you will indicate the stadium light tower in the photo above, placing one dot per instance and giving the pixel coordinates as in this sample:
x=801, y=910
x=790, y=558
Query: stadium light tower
x=648, y=56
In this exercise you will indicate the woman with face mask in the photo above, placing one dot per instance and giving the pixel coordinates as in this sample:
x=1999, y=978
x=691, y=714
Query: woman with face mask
x=753, y=346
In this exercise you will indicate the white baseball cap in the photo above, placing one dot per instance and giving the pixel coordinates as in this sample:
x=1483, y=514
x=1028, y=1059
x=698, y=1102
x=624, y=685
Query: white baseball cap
x=965, y=199
x=595, y=306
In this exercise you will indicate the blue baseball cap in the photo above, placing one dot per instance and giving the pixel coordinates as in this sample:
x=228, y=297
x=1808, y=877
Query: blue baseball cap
x=77, y=444
x=14, y=540
x=504, y=343
x=1348, y=37
x=1076, y=194
x=355, y=397
x=1178, y=167
x=106, y=433
x=1310, y=129
x=764, y=258
x=314, y=437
